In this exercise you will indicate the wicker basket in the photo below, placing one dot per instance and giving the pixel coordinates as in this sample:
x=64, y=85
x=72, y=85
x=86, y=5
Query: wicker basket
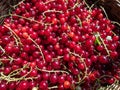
x=6, y=7
x=112, y=8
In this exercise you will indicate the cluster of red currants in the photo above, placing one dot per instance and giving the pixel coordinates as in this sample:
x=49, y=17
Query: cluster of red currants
x=58, y=45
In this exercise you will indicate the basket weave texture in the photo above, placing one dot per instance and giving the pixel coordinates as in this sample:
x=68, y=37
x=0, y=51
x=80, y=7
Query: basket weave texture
x=6, y=7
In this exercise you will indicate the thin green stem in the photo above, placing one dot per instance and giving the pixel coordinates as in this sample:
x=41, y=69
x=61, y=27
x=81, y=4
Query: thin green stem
x=4, y=16
x=94, y=4
x=114, y=22
x=29, y=19
x=53, y=87
x=52, y=71
x=86, y=69
x=49, y=1
x=18, y=4
x=38, y=48
x=79, y=20
x=87, y=5
x=104, y=12
x=17, y=37
x=2, y=50
x=104, y=44
x=75, y=5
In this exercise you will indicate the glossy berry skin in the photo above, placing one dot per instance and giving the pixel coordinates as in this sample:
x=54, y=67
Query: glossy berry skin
x=23, y=85
x=33, y=73
x=56, y=64
x=66, y=57
x=12, y=85
x=43, y=85
x=7, y=70
x=103, y=59
x=61, y=87
x=81, y=66
x=32, y=85
x=61, y=79
x=66, y=84
x=48, y=58
x=3, y=86
x=53, y=78
x=45, y=75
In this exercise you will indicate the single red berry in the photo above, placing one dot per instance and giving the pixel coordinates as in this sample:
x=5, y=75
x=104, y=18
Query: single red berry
x=67, y=84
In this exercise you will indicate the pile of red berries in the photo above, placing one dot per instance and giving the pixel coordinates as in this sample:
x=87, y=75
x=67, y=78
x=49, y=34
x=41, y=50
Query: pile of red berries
x=58, y=45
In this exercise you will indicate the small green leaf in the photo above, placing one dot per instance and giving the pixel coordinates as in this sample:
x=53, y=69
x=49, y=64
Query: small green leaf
x=97, y=41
